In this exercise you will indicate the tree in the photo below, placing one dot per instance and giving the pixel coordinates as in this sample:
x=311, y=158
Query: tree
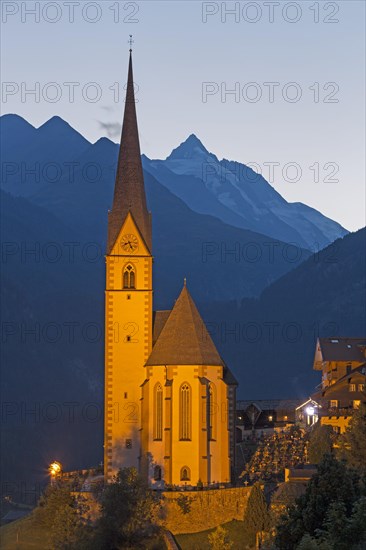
x=340, y=532
x=61, y=513
x=256, y=516
x=329, y=499
x=311, y=543
x=336, y=527
x=218, y=539
x=320, y=443
x=307, y=543
x=128, y=512
x=353, y=442
x=357, y=524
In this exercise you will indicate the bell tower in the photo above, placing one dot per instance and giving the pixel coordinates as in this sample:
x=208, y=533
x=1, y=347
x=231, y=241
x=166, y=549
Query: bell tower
x=128, y=299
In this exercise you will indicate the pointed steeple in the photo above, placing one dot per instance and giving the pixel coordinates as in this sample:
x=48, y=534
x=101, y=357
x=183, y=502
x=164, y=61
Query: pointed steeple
x=129, y=189
x=184, y=339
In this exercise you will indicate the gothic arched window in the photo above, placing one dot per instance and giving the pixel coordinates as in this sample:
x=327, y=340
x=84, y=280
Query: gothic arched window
x=129, y=276
x=212, y=404
x=157, y=473
x=185, y=412
x=185, y=474
x=158, y=412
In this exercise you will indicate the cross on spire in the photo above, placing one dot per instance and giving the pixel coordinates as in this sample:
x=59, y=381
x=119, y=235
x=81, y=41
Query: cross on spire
x=130, y=41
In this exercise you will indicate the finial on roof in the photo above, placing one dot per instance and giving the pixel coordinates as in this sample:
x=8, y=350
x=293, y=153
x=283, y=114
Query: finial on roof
x=185, y=281
x=130, y=41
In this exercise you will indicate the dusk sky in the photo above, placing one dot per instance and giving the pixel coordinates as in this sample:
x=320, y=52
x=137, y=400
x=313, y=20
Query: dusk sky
x=186, y=55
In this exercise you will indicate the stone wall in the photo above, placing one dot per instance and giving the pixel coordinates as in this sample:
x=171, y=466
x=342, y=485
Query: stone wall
x=193, y=511
x=190, y=511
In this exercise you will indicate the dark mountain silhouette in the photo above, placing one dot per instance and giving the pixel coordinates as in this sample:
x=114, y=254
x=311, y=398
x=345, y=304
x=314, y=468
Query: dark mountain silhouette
x=271, y=345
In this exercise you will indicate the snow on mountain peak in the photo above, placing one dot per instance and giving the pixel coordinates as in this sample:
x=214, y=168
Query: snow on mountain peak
x=191, y=148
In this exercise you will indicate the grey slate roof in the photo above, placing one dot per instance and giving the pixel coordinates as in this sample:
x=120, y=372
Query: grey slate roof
x=342, y=349
x=184, y=339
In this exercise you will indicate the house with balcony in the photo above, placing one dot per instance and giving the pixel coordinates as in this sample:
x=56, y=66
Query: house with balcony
x=342, y=362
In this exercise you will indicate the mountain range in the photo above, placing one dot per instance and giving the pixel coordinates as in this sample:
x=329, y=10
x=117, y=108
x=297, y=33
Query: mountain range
x=228, y=190
x=55, y=168
x=237, y=195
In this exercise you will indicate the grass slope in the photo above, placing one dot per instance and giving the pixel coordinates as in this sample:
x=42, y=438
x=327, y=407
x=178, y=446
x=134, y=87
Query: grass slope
x=199, y=541
x=24, y=534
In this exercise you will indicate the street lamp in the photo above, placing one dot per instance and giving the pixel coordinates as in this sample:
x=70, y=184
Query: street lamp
x=55, y=469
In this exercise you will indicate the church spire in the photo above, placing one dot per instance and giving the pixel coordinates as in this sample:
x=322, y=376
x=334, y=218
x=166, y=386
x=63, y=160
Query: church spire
x=129, y=189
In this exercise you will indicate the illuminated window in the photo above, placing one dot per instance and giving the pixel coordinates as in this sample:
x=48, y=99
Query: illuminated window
x=185, y=474
x=270, y=418
x=352, y=387
x=356, y=403
x=185, y=413
x=158, y=412
x=333, y=403
x=285, y=417
x=129, y=276
x=212, y=411
x=157, y=473
x=361, y=387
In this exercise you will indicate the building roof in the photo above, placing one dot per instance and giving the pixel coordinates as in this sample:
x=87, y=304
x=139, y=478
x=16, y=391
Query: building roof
x=159, y=320
x=287, y=492
x=310, y=401
x=184, y=339
x=270, y=404
x=360, y=370
x=129, y=189
x=229, y=378
x=343, y=349
x=304, y=473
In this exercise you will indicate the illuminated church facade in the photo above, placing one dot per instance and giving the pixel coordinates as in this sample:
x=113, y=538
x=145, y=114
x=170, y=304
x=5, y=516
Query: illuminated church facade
x=169, y=397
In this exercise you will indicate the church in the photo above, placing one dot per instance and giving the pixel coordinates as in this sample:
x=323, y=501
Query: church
x=169, y=397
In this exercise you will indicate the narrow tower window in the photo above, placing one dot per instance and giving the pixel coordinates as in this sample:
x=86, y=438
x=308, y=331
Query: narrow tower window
x=185, y=405
x=185, y=474
x=129, y=276
x=158, y=412
x=212, y=410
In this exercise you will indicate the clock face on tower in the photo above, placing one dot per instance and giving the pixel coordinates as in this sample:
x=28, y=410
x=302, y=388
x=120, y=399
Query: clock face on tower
x=129, y=243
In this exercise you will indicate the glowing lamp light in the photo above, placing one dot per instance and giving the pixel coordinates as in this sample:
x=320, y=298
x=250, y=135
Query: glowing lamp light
x=310, y=411
x=55, y=468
